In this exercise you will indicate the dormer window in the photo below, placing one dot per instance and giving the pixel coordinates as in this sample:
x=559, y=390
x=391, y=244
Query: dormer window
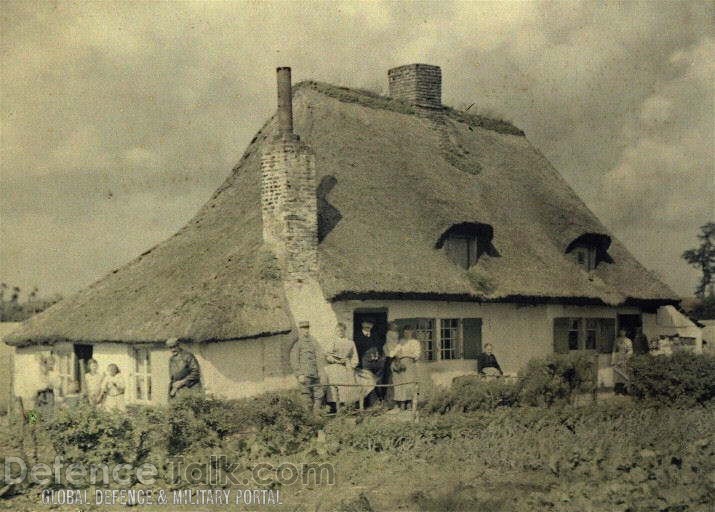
x=463, y=250
x=585, y=256
x=590, y=249
x=465, y=243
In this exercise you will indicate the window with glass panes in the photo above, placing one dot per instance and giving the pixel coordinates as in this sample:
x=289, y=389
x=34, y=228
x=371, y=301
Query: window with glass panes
x=449, y=338
x=573, y=333
x=64, y=365
x=591, y=334
x=424, y=331
x=142, y=374
x=583, y=333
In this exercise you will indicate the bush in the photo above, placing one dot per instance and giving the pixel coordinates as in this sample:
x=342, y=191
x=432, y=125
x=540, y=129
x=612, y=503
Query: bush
x=556, y=378
x=683, y=378
x=473, y=393
x=192, y=426
x=89, y=435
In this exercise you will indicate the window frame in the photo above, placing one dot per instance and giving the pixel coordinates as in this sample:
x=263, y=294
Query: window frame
x=454, y=325
x=454, y=250
x=586, y=256
x=582, y=327
x=142, y=373
x=65, y=368
x=428, y=342
x=435, y=338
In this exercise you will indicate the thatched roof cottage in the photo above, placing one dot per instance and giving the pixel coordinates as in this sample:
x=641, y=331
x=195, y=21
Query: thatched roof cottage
x=349, y=205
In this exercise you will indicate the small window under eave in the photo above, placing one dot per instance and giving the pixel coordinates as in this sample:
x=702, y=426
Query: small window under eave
x=466, y=242
x=589, y=250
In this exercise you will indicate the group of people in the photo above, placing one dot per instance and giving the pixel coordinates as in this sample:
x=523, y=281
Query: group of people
x=367, y=368
x=107, y=390
x=104, y=390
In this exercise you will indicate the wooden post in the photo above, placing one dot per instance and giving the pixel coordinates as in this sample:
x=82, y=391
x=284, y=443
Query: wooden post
x=415, y=397
x=595, y=377
x=82, y=380
x=337, y=399
x=26, y=425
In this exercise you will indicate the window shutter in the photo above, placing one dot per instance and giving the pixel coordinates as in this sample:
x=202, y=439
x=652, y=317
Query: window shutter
x=606, y=335
x=472, y=337
x=561, y=335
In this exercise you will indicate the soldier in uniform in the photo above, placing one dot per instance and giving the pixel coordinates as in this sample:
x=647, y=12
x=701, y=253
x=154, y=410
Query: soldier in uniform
x=184, y=370
x=304, y=361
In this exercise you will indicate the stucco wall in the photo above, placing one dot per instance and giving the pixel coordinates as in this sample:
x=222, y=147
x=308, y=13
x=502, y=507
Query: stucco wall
x=6, y=366
x=27, y=372
x=518, y=333
x=231, y=369
x=243, y=368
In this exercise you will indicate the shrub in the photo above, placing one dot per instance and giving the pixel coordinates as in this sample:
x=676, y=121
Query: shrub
x=683, y=378
x=556, y=378
x=473, y=393
x=193, y=426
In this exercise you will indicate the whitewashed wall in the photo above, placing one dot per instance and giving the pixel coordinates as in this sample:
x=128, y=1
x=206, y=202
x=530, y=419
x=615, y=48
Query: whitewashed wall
x=6, y=366
x=243, y=368
x=518, y=333
x=28, y=372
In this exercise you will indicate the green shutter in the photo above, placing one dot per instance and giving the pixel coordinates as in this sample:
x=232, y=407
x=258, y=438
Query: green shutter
x=606, y=335
x=472, y=337
x=561, y=335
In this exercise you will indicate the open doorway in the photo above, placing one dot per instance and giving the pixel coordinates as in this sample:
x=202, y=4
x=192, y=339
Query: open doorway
x=379, y=319
x=630, y=324
x=82, y=355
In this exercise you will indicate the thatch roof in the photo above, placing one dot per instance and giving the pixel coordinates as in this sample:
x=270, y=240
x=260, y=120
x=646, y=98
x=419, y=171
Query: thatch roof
x=399, y=181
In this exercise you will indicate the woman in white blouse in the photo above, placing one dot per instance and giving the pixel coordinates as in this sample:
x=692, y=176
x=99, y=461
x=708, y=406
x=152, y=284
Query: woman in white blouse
x=93, y=380
x=341, y=363
x=405, y=355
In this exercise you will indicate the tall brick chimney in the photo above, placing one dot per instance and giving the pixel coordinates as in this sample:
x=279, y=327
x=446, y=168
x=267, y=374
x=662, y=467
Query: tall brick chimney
x=418, y=84
x=285, y=102
x=289, y=205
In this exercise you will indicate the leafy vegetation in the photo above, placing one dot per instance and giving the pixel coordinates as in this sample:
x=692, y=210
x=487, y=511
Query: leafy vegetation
x=683, y=378
x=490, y=452
x=703, y=258
x=556, y=378
x=469, y=394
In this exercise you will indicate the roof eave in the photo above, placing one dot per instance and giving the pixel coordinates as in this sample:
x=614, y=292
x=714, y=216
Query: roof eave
x=23, y=341
x=514, y=299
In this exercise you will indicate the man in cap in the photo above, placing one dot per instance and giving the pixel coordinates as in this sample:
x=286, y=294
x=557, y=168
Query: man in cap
x=370, y=350
x=304, y=361
x=184, y=370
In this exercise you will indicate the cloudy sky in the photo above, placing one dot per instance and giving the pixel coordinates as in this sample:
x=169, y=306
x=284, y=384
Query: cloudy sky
x=119, y=119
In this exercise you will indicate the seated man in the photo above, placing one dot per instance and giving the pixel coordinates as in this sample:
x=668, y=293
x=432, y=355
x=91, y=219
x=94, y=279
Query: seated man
x=487, y=363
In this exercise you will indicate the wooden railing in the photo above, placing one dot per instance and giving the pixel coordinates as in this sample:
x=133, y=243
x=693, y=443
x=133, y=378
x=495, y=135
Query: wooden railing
x=361, y=402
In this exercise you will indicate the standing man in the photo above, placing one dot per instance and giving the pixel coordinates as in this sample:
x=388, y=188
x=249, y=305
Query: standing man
x=304, y=361
x=372, y=357
x=184, y=370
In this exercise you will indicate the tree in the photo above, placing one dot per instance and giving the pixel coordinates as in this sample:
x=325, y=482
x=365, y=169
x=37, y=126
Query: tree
x=703, y=258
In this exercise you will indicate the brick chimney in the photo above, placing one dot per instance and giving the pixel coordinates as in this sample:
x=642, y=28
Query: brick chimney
x=418, y=84
x=289, y=205
x=285, y=102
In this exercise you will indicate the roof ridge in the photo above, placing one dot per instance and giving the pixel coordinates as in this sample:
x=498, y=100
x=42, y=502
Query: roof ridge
x=374, y=100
